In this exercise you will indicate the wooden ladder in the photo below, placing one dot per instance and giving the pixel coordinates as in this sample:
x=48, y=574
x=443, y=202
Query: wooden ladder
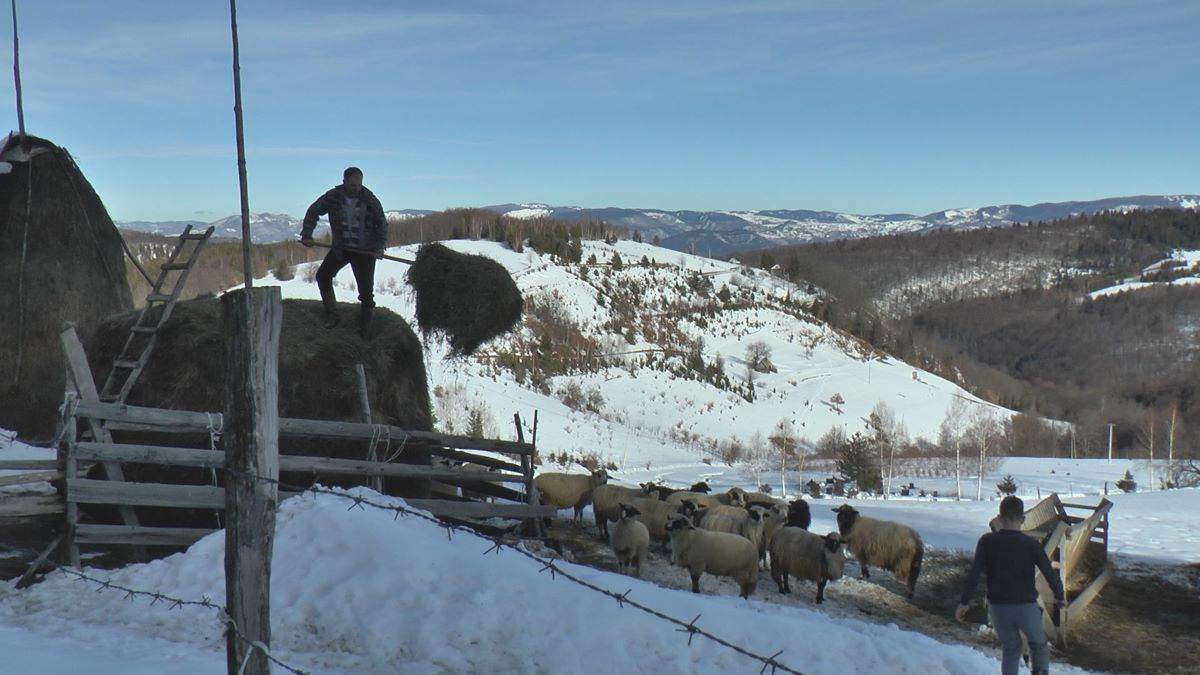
x=132, y=359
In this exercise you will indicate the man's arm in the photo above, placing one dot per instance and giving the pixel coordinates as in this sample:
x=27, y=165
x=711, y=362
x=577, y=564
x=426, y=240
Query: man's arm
x=379, y=231
x=977, y=568
x=319, y=208
x=1048, y=571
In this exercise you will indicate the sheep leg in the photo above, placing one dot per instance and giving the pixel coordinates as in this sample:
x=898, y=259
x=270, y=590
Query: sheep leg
x=637, y=566
x=696, y=581
x=866, y=573
x=820, y=591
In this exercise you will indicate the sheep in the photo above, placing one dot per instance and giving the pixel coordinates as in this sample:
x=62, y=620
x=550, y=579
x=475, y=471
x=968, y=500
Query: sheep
x=799, y=515
x=562, y=490
x=774, y=518
x=630, y=539
x=718, y=553
x=734, y=496
x=606, y=503
x=698, y=498
x=654, y=514
x=796, y=552
x=746, y=522
x=892, y=546
x=663, y=492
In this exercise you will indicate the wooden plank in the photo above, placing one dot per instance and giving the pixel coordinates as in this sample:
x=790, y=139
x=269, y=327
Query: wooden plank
x=86, y=491
x=150, y=536
x=209, y=459
x=1080, y=506
x=441, y=507
x=489, y=462
x=251, y=319
x=186, y=421
x=81, y=374
x=28, y=464
x=1080, y=603
x=26, y=579
x=26, y=478
x=25, y=506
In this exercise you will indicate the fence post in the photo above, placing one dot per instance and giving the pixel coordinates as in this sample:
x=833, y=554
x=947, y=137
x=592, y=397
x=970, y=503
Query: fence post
x=365, y=404
x=531, y=495
x=251, y=433
x=66, y=461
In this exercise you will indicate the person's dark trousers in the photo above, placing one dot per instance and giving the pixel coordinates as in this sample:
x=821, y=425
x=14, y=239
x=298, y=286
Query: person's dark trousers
x=363, y=267
x=1012, y=621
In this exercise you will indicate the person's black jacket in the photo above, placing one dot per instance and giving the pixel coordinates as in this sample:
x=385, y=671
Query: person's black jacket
x=330, y=203
x=1009, y=558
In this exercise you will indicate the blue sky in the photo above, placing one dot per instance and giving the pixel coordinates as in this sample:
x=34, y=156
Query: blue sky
x=854, y=106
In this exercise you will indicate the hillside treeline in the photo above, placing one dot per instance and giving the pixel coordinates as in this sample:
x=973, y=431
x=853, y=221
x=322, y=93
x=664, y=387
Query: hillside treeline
x=1004, y=311
x=220, y=264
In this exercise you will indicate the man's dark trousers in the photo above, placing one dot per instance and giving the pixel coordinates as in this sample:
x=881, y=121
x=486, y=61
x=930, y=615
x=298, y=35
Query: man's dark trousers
x=361, y=264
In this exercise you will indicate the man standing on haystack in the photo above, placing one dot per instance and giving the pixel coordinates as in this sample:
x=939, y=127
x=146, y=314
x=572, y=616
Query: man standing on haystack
x=359, y=237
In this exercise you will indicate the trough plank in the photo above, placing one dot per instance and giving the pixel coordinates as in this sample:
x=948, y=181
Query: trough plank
x=150, y=536
x=28, y=464
x=87, y=491
x=26, y=478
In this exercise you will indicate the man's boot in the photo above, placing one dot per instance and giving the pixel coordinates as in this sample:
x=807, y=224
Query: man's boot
x=364, y=320
x=330, y=318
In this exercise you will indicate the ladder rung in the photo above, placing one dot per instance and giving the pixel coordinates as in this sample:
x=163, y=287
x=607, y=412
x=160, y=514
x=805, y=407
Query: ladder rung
x=143, y=329
x=169, y=267
x=194, y=236
x=131, y=365
x=158, y=297
x=107, y=398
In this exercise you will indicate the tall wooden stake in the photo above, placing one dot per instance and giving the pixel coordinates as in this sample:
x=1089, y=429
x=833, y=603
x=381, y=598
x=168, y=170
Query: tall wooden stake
x=17, y=74
x=251, y=450
x=364, y=404
x=1111, y=436
x=241, y=148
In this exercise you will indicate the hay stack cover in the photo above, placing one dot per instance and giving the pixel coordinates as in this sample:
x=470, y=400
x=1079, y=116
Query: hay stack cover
x=73, y=270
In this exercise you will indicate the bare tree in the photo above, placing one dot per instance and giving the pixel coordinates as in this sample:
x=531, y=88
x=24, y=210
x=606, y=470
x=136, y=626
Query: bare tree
x=887, y=433
x=951, y=433
x=784, y=446
x=757, y=457
x=758, y=357
x=983, y=433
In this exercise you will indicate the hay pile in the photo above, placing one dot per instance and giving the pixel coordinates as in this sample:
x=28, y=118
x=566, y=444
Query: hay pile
x=316, y=381
x=73, y=270
x=468, y=299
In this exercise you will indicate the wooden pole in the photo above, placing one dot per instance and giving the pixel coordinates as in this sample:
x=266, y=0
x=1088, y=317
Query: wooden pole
x=17, y=74
x=247, y=273
x=531, y=491
x=1111, y=434
x=251, y=429
x=364, y=404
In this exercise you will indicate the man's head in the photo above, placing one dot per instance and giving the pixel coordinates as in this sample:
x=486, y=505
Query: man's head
x=1012, y=511
x=352, y=180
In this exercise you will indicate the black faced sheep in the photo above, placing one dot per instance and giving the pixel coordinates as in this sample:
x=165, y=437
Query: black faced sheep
x=718, y=553
x=802, y=554
x=606, y=503
x=630, y=539
x=882, y=543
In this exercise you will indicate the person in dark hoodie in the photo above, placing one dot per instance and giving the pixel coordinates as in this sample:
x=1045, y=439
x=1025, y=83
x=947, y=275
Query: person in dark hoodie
x=359, y=237
x=1009, y=556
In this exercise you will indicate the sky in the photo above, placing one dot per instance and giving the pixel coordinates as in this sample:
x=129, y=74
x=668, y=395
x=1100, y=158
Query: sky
x=858, y=106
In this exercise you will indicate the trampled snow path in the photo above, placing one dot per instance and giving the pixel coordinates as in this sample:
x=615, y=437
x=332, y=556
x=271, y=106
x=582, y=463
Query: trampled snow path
x=356, y=591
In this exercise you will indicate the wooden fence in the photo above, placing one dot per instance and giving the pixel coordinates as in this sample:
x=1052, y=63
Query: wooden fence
x=80, y=490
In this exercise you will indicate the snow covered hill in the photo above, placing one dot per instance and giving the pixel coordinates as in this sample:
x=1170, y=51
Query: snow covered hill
x=1181, y=268
x=667, y=385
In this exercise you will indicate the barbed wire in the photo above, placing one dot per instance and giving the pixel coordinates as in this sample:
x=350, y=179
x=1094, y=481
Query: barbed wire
x=176, y=603
x=548, y=565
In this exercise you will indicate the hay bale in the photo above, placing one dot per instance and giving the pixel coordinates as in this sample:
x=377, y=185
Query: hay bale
x=73, y=270
x=316, y=381
x=468, y=299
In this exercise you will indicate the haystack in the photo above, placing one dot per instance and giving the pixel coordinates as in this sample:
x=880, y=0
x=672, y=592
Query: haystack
x=60, y=260
x=468, y=299
x=317, y=380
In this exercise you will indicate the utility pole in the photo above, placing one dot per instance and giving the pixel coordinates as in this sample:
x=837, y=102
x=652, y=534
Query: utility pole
x=1111, y=436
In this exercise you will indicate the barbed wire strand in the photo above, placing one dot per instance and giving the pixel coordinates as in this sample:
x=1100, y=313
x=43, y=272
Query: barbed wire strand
x=175, y=603
x=548, y=565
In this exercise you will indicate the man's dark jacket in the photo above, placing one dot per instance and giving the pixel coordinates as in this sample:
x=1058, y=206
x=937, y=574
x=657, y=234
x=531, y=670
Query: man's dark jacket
x=330, y=203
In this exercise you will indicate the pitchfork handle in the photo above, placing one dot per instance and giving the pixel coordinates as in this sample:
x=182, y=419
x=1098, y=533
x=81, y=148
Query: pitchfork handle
x=366, y=252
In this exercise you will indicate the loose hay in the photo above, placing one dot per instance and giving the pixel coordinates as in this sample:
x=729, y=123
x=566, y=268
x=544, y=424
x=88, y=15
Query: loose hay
x=468, y=299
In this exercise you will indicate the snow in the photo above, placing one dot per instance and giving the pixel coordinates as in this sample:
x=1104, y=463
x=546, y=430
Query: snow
x=356, y=591
x=1179, y=260
x=529, y=211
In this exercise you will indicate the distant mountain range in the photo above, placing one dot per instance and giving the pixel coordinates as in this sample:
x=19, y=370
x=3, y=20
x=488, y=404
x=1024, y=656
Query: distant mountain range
x=264, y=227
x=721, y=233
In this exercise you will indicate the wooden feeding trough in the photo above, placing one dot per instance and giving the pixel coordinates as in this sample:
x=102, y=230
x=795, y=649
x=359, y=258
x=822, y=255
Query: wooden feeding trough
x=1077, y=546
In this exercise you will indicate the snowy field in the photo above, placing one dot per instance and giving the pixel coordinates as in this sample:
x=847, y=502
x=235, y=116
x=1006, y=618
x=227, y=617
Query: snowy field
x=356, y=591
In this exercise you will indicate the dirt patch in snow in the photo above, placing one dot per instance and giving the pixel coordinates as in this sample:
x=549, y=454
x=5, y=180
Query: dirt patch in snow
x=1145, y=620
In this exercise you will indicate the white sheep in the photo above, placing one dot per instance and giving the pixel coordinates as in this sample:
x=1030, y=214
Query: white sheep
x=734, y=496
x=773, y=519
x=718, y=553
x=894, y=547
x=654, y=514
x=630, y=539
x=606, y=503
x=796, y=552
x=569, y=490
x=747, y=523
x=697, y=498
